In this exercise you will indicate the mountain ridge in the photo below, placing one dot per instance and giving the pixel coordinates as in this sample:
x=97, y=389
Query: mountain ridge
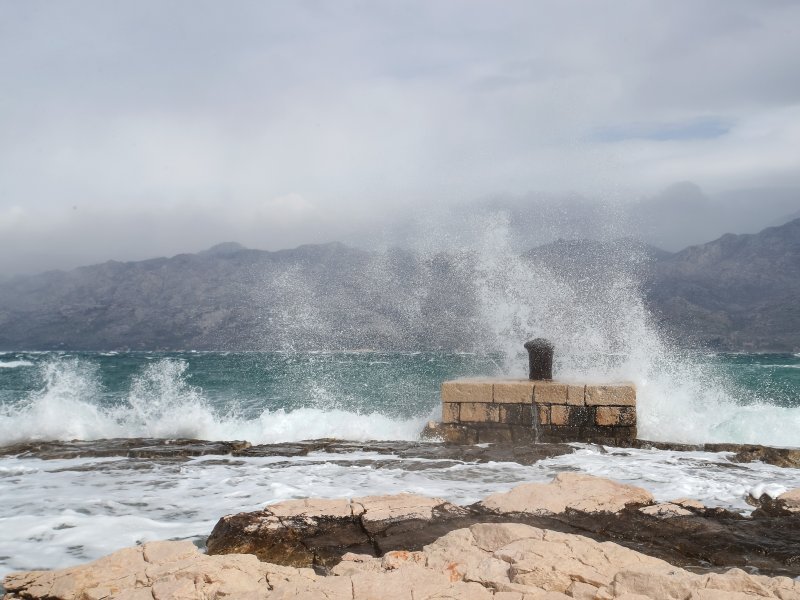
x=736, y=292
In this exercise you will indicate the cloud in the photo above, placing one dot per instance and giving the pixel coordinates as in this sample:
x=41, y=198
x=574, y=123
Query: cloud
x=158, y=113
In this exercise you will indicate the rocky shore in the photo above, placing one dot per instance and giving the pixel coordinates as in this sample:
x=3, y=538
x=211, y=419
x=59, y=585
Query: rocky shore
x=525, y=454
x=577, y=537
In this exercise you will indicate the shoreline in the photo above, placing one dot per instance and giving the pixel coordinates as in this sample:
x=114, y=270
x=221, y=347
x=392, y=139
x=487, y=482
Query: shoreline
x=126, y=487
x=525, y=454
x=578, y=536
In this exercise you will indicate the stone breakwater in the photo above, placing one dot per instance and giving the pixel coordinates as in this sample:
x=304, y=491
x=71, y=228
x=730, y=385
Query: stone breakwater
x=565, y=539
x=526, y=411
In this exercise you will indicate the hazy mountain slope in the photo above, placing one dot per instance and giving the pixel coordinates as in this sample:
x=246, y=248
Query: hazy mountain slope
x=328, y=296
x=740, y=291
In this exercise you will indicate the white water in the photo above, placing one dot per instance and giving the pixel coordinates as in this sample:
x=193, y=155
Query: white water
x=601, y=327
x=13, y=364
x=604, y=333
x=162, y=404
x=57, y=513
x=62, y=512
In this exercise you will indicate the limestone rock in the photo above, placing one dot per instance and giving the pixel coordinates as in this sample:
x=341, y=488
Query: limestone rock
x=155, y=571
x=487, y=561
x=666, y=510
x=319, y=532
x=787, y=504
x=573, y=491
x=689, y=503
x=790, y=501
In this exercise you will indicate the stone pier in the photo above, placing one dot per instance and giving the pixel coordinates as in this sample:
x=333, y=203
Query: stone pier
x=530, y=411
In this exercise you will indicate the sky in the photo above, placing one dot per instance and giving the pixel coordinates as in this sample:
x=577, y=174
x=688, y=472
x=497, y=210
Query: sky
x=139, y=129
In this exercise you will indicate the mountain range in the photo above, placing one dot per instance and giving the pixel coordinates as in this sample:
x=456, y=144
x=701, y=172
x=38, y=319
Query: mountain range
x=739, y=292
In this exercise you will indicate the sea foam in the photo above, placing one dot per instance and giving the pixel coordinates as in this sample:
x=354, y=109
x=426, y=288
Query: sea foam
x=162, y=404
x=13, y=364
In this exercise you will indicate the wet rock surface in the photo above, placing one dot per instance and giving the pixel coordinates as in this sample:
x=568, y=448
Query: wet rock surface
x=742, y=453
x=682, y=532
x=123, y=447
x=525, y=454
x=506, y=561
x=786, y=504
x=522, y=453
x=316, y=533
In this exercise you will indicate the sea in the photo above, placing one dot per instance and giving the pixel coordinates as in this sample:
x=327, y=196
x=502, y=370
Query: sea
x=63, y=511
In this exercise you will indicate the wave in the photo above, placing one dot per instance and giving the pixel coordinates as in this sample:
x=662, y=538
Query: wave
x=162, y=404
x=13, y=364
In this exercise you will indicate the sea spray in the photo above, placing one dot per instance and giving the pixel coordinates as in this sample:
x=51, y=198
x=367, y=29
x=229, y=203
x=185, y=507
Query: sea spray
x=589, y=301
x=64, y=407
x=162, y=403
x=71, y=402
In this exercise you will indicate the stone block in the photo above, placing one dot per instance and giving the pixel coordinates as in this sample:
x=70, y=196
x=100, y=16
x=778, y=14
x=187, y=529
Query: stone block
x=543, y=414
x=458, y=434
x=467, y=390
x=615, y=415
x=559, y=414
x=624, y=433
x=521, y=434
x=627, y=416
x=558, y=434
x=513, y=392
x=607, y=416
x=580, y=416
x=575, y=395
x=549, y=393
x=611, y=395
x=516, y=414
x=494, y=434
x=479, y=412
x=450, y=412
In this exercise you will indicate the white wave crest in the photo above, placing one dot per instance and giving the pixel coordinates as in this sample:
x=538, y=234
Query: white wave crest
x=603, y=332
x=13, y=364
x=162, y=404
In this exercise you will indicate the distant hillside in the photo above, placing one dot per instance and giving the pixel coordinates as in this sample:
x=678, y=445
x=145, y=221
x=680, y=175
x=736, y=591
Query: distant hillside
x=229, y=297
x=737, y=292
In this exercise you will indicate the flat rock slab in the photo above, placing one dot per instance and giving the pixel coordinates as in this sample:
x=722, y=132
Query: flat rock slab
x=318, y=533
x=179, y=449
x=522, y=453
x=568, y=491
x=526, y=454
x=742, y=453
x=122, y=447
x=503, y=561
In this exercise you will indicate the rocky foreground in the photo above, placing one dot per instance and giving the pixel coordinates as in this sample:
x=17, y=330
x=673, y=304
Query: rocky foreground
x=538, y=541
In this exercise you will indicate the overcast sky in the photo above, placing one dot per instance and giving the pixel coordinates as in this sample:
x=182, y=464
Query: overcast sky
x=136, y=129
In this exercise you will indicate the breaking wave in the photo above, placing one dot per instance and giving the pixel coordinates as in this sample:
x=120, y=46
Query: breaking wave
x=13, y=364
x=162, y=404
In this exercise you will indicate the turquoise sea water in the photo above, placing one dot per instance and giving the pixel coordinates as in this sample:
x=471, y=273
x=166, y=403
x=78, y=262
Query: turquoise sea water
x=60, y=512
x=265, y=397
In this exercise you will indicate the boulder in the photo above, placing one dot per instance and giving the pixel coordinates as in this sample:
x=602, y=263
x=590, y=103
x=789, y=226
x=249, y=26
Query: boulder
x=790, y=501
x=318, y=532
x=787, y=504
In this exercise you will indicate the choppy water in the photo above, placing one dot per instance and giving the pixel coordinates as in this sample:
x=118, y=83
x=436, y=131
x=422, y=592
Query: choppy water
x=59, y=512
x=277, y=397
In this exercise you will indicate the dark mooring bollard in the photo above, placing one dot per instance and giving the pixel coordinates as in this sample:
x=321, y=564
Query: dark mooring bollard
x=540, y=359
